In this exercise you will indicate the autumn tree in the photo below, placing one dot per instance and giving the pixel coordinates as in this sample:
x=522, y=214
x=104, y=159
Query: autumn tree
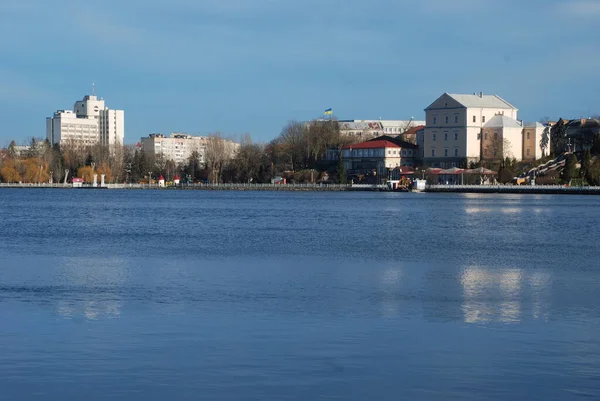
x=9, y=173
x=87, y=173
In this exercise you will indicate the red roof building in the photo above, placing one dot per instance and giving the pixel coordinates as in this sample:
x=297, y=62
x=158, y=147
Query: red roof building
x=376, y=158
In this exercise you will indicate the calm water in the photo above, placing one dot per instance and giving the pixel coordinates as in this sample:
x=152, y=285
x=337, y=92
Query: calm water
x=144, y=295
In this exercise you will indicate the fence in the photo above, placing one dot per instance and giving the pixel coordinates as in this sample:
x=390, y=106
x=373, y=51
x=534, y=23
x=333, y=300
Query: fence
x=515, y=189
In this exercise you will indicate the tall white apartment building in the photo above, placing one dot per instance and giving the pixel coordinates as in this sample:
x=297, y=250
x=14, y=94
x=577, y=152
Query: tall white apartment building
x=179, y=147
x=90, y=123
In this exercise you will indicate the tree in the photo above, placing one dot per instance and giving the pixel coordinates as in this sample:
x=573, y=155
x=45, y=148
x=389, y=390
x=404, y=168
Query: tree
x=341, y=171
x=506, y=172
x=9, y=173
x=586, y=161
x=87, y=173
x=558, y=137
x=545, y=141
x=217, y=153
x=570, y=170
x=596, y=146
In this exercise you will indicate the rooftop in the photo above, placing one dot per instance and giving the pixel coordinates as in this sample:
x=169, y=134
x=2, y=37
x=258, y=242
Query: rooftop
x=502, y=121
x=378, y=144
x=481, y=100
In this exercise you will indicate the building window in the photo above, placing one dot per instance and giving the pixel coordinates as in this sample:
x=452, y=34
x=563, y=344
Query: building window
x=485, y=136
x=478, y=136
x=455, y=152
x=495, y=135
x=527, y=152
x=434, y=120
x=453, y=164
x=446, y=119
x=456, y=119
x=445, y=136
x=434, y=136
x=528, y=135
x=445, y=152
x=432, y=152
x=474, y=119
x=482, y=119
x=456, y=136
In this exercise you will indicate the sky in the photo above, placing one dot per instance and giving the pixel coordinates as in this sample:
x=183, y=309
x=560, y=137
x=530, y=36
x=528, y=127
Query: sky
x=250, y=66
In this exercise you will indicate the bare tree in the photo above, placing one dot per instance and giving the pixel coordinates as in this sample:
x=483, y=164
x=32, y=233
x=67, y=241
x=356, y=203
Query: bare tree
x=217, y=153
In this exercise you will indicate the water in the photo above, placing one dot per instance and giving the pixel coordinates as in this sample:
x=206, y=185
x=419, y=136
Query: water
x=154, y=295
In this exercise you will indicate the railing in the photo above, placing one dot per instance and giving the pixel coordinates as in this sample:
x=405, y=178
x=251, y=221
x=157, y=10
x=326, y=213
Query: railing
x=215, y=186
x=514, y=188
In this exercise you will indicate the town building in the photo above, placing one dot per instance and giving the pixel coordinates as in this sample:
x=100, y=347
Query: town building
x=178, y=147
x=89, y=123
x=364, y=130
x=452, y=136
x=461, y=129
x=377, y=157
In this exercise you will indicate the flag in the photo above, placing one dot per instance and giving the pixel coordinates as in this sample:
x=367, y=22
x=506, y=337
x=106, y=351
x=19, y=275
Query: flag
x=328, y=111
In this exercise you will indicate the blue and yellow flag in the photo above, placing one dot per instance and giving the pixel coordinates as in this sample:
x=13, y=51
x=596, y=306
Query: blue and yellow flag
x=328, y=111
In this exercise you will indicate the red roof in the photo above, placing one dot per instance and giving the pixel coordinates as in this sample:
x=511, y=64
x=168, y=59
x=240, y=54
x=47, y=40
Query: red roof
x=414, y=130
x=161, y=178
x=372, y=145
x=176, y=177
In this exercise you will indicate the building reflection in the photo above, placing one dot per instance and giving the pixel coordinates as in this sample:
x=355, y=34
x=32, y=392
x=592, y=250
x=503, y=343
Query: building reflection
x=502, y=294
x=92, y=287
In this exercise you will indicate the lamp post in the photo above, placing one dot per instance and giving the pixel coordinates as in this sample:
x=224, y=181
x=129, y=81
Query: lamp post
x=149, y=179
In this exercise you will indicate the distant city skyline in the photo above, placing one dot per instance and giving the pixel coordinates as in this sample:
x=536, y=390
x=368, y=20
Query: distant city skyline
x=251, y=66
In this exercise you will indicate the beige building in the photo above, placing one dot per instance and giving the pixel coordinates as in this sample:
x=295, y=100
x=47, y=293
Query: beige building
x=454, y=124
x=178, y=147
x=378, y=157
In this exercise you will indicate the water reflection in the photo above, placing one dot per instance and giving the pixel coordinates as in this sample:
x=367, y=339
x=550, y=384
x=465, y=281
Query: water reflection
x=93, y=287
x=498, y=295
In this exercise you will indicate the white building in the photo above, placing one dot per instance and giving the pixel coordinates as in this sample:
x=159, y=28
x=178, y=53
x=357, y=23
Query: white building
x=90, y=123
x=454, y=125
x=377, y=157
x=368, y=129
x=178, y=147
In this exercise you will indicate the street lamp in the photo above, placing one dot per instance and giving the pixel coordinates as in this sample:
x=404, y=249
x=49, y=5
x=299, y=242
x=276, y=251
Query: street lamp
x=149, y=179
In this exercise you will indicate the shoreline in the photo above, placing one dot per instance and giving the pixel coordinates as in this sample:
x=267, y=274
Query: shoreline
x=476, y=189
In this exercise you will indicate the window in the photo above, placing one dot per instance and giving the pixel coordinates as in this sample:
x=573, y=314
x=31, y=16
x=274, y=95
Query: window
x=455, y=152
x=527, y=152
x=483, y=119
x=434, y=136
x=528, y=136
x=432, y=152
x=456, y=136
x=453, y=164
x=445, y=152
x=474, y=119
x=456, y=119
x=495, y=135
x=434, y=120
x=446, y=119
x=485, y=136
x=445, y=136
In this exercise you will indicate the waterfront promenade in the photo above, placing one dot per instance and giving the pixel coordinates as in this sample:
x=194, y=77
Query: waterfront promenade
x=484, y=189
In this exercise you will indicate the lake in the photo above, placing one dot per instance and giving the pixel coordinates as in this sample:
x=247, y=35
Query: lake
x=217, y=295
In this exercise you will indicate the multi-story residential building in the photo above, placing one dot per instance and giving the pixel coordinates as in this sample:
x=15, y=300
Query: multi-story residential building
x=178, y=147
x=368, y=129
x=454, y=125
x=90, y=123
x=378, y=156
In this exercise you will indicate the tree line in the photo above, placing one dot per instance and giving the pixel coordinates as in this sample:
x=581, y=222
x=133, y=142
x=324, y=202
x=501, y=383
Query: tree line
x=297, y=153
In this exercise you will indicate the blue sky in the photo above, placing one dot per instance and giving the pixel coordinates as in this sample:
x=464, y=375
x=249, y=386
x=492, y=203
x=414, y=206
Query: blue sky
x=249, y=66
